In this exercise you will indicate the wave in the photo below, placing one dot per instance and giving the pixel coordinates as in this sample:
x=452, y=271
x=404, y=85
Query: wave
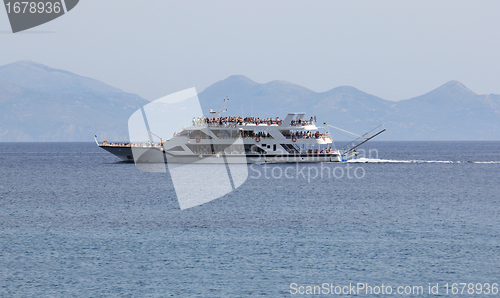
x=376, y=160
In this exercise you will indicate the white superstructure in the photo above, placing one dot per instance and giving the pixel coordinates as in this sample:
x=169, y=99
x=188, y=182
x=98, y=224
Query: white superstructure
x=227, y=140
x=293, y=139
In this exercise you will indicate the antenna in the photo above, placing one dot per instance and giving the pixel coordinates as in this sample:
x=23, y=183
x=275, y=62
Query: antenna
x=222, y=109
x=224, y=102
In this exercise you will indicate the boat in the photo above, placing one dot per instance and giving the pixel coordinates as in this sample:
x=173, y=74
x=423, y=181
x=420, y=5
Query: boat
x=217, y=139
x=224, y=140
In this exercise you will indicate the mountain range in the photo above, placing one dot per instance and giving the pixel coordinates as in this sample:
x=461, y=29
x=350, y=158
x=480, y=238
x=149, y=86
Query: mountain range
x=39, y=103
x=450, y=112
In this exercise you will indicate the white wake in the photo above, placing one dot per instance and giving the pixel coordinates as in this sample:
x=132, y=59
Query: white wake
x=376, y=160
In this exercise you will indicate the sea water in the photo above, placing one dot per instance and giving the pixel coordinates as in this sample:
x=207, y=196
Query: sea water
x=74, y=221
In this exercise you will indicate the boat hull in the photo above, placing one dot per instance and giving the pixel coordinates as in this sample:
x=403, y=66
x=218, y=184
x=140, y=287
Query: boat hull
x=125, y=154
x=122, y=152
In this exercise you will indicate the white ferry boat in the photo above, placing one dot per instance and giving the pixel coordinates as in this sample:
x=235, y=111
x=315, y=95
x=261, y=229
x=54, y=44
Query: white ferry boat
x=219, y=140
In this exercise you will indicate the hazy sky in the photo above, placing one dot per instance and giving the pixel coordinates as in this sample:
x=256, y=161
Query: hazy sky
x=391, y=49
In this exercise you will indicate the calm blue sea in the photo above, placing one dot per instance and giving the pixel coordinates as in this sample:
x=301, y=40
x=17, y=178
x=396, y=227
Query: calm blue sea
x=75, y=222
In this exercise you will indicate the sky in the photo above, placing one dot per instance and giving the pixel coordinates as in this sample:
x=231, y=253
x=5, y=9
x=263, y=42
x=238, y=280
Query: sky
x=392, y=49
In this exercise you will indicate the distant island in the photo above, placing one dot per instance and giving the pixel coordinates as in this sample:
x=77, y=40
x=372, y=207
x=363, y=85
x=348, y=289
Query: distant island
x=39, y=103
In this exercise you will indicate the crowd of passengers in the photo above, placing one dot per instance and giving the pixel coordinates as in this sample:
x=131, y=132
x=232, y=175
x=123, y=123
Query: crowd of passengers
x=236, y=120
x=306, y=135
x=301, y=122
x=322, y=151
x=251, y=134
x=147, y=144
x=297, y=134
x=247, y=120
x=310, y=151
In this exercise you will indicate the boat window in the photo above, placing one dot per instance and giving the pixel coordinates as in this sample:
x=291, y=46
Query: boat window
x=222, y=134
x=286, y=133
x=201, y=149
x=247, y=134
x=176, y=148
x=253, y=149
x=195, y=134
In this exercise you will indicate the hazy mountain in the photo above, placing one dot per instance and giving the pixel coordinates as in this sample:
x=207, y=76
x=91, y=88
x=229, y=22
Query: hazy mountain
x=450, y=112
x=34, y=107
x=262, y=100
x=39, y=77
